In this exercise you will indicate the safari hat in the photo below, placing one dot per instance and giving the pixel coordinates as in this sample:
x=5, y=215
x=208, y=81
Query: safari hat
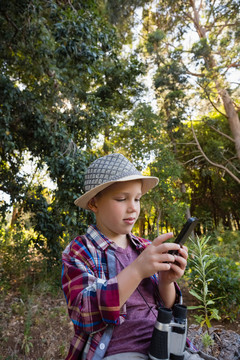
x=108, y=170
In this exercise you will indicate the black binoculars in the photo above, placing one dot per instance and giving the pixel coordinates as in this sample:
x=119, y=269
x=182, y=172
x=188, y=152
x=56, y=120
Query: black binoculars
x=169, y=334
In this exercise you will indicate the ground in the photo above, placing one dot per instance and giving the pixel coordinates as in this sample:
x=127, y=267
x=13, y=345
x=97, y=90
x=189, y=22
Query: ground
x=39, y=328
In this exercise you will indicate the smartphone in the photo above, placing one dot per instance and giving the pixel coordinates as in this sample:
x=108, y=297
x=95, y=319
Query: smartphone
x=185, y=233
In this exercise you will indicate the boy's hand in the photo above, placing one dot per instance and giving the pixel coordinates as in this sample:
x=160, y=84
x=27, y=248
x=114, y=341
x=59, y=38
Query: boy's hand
x=166, y=278
x=155, y=258
x=177, y=267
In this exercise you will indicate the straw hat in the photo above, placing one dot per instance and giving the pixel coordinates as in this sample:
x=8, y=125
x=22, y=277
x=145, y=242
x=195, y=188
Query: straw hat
x=108, y=170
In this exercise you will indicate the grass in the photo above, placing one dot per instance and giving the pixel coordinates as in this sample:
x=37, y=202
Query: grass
x=38, y=328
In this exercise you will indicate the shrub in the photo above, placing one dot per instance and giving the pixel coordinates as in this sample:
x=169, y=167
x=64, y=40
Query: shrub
x=227, y=243
x=202, y=265
x=22, y=265
x=222, y=284
x=226, y=282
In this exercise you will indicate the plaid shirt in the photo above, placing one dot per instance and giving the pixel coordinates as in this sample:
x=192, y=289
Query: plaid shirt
x=90, y=286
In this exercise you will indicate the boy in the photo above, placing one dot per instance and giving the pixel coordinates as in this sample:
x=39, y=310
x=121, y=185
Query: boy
x=114, y=281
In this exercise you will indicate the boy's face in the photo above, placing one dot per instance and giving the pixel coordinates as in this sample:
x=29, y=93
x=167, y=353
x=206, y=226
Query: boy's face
x=117, y=208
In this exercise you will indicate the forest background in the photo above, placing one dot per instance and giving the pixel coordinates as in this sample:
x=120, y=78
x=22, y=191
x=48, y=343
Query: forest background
x=157, y=81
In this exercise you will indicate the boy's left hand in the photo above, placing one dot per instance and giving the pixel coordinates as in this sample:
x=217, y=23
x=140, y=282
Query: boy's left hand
x=177, y=268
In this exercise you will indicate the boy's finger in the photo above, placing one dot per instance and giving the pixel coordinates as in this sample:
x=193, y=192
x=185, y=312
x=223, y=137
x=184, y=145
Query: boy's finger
x=183, y=252
x=161, y=238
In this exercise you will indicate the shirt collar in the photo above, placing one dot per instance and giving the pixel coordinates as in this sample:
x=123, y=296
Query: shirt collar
x=94, y=233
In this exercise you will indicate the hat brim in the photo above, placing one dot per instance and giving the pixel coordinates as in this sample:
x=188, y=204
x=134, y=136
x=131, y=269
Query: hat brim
x=148, y=182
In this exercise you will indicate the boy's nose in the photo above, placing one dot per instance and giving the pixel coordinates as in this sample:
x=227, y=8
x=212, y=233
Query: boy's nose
x=132, y=206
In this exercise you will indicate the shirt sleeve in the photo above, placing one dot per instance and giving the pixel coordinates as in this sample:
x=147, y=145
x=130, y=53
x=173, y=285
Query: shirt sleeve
x=92, y=302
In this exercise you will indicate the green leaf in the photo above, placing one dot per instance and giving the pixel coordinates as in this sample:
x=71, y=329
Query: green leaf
x=208, y=323
x=195, y=294
x=193, y=307
x=210, y=302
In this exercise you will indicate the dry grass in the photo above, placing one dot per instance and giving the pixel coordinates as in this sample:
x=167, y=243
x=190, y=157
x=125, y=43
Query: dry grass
x=36, y=328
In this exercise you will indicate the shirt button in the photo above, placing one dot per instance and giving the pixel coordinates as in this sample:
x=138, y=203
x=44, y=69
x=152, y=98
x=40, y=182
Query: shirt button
x=102, y=346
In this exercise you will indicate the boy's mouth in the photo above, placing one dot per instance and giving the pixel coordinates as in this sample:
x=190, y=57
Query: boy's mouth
x=129, y=220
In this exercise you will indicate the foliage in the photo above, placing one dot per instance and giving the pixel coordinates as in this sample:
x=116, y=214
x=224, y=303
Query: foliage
x=22, y=264
x=214, y=195
x=193, y=83
x=69, y=91
x=207, y=340
x=221, y=290
x=188, y=43
x=186, y=90
x=201, y=266
x=167, y=196
x=14, y=256
x=215, y=261
x=225, y=286
x=62, y=82
x=227, y=243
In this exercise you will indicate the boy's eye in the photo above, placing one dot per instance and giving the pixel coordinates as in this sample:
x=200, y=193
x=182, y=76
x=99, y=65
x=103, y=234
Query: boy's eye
x=123, y=199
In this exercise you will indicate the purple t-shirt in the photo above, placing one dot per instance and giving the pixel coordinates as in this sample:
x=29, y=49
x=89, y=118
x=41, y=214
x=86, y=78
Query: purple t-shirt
x=135, y=333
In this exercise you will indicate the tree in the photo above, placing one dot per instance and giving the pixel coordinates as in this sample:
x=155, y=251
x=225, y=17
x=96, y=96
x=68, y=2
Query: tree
x=62, y=82
x=194, y=48
x=214, y=194
x=198, y=67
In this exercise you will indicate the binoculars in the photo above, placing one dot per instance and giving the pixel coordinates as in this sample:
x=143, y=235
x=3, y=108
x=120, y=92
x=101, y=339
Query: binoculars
x=169, y=334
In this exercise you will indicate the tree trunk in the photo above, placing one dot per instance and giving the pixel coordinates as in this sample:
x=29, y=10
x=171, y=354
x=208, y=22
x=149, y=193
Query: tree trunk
x=233, y=118
x=231, y=113
x=15, y=215
x=141, y=226
x=106, y=140
x=159, y=213
x=183, y=190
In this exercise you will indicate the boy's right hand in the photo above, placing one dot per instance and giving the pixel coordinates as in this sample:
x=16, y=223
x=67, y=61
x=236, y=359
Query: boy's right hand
x=155, y=257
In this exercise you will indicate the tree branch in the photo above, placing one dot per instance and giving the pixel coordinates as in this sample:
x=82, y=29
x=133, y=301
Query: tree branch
x=221, y=133
x=9, y=20
x=213, y=105
x=196, y=21
x=70, y=3
x=191, y=73
x=235, y=65
x=210, y=13
x=188, y=143
x=212, y=162
x=200, y=6
x=196, y=157
x=230, y=163
x=221, y=26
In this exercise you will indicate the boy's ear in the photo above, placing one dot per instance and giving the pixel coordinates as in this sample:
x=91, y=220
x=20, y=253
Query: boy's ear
x=92, y=205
